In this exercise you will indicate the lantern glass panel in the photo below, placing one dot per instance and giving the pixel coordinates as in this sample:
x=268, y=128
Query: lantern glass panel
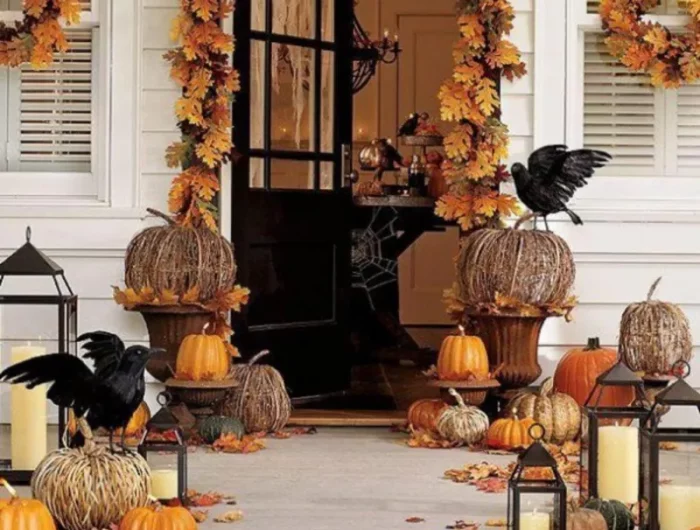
x=535, y=508
x=164, y=475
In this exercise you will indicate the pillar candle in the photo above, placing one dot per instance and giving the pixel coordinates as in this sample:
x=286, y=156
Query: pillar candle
x=679, y=507
x=164, y=484
x=28, y=418
x=618, y=463
x=535, y=521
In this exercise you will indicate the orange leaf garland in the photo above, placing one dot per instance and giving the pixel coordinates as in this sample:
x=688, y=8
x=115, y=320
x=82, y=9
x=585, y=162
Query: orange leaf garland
x=201, y=67
x=479, y=140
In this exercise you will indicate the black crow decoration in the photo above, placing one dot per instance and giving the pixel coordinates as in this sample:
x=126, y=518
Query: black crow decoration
x=108, y=397
x=552, y=177
x=410, y=126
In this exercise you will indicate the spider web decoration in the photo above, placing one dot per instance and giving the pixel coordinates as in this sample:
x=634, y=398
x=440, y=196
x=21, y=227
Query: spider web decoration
x=374, y=265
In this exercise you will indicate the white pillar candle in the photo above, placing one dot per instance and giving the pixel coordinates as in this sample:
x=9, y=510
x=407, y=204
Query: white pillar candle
x=679, y=507
x=28, y=418
x=164, y=484
x=618, y=463
x=535, y=521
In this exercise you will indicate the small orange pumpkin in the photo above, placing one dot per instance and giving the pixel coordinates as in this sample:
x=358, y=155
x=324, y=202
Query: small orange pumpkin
x=157, y=517
x=462, y=357
x=134, y=428
x=510, y=433
x=203, y=358
x=424, y=414
x=28, y=514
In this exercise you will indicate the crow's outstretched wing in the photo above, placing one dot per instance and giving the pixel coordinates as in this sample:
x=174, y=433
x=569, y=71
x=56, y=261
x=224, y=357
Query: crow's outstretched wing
x=573, y=169
x=542, y=161
x=105, y=349
x=73, y=384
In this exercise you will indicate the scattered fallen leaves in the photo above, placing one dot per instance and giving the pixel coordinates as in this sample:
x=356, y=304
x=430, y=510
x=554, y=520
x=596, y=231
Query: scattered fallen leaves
x=492, y=485
x=200, y=515
x=669, y=446
x=203, y=500
x=415, y=520
x=232, y=516
x=426, y=440
x=463, y=525
x=496, y=523
x=230, y=443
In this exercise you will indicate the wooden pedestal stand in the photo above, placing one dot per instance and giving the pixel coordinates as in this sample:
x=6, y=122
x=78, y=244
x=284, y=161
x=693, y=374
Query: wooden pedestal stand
x=473, y=392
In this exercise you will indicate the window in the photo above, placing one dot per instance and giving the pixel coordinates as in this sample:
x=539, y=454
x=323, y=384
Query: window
x=52, y=122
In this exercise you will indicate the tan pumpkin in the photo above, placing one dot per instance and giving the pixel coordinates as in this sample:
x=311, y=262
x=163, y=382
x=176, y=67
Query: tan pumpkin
x=558, y=413
x=462, y=423
x=424, y=413
x=654, y=335
x=203, y=357
x=510, y=433
x=134, y=429
x=157, y=517
x=462, y=357
x=584, y=519
x=24, y=514
x=578, y=370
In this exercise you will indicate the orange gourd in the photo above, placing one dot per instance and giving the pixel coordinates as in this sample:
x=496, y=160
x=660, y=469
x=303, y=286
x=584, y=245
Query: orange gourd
x=462, y=357
x=202, y=358
x=424, y=414
x=27, y=514
x=157, y=517
x=134, y=428
x=578, y=370
x=510, y=433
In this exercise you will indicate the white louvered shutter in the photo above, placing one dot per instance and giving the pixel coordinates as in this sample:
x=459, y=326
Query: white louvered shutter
x=668, y=7
x=51, y=112
x=688, y=130
x=622, y=112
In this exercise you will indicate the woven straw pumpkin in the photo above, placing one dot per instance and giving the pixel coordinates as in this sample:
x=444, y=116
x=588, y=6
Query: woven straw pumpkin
x=462, y=423
x=90, y=487
x=260, y=401
x=558, y=413
x=654, y=335
x=530, y=266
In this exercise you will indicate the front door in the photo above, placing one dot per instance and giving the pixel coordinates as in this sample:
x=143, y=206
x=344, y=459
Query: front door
x=290, y=205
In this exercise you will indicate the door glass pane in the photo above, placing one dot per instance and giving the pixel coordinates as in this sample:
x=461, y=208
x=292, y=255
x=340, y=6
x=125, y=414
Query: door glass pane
x=257, y=173
x=327, y=100
x=292, y=175
x=294, y=17
x=292, y=99
x=257, y=15
x=328, y=21
x=257, y=94
x=327, y=175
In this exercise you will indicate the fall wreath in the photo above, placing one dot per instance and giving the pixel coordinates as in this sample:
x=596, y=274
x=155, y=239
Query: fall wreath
x=39, y=35
x=201, y=66
x=671, y=59
x=470, y=98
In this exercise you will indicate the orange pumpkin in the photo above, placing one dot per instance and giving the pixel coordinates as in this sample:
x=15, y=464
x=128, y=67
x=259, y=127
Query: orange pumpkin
x=158, y=517
x=134, y=428
x=424, y=414
x=510, y=433
x=578, y=370
x=27, y=514
x=202, y=358
x=462, y=357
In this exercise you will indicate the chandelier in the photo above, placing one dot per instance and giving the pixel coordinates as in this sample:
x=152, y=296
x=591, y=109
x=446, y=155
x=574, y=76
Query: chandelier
x=367, y=54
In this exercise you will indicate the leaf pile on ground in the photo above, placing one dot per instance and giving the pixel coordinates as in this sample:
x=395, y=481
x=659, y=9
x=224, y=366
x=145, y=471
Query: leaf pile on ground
x=230, y=443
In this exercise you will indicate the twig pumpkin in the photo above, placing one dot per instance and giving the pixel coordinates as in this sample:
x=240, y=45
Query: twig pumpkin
x=462, y=423
x=462, y=357
x=510, y=433
x=90, y=487
x=558, y=413
x=578, y=370
x=157, y=517
x=535, y=268
x=20, y=513
x=654, y=335
x=261, y=400
x=203, y=357
x=424, y=413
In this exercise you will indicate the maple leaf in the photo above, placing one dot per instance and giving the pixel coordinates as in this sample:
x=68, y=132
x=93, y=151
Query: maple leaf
x=189, y=110
x=496, y=523
x=472, y=30
x=178, y=153
x=35, y=8
x=230, y=443
x=658, y=38
x=128, y=298
x=219, y=138
x=638, y=57
x=210, y=156
x=503, y=54
x=199, y=515
x=468, y=72
x=487, y=96
x=168, y=297
x=180, y=26
x=204, y=9
x=415, y=519
x=232, y=516
x=191, y=296
x=70, y=11
x=199, y=83
x=458, y=144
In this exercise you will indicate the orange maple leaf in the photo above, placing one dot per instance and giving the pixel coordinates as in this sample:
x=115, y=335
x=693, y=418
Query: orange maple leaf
x=199, y=83
x=35, y=8
x=204, y=9
x=487, y=96
x=189, y=110
x=70, y=11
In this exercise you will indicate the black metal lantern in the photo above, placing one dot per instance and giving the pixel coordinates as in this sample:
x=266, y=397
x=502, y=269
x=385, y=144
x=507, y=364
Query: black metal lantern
x=163, y=438
x=28, y=261
x=612, y=459
x=671, y=461
x=536, y=491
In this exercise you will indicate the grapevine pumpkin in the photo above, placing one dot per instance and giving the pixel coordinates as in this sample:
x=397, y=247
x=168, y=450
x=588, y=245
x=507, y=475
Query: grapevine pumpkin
x=203, y=358
x=510, y=433
x=462, y=357
x=157, y=517
x=424, y=414
x=578, y=370
x=28, y=514
x=654, y=335
x=462, y=423
x=211, y=428
x=616, y=514
x=584, y=519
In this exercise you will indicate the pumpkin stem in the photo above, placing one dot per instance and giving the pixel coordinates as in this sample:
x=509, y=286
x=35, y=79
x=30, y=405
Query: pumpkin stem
x=458, y=398
x=204, y=329
x=259, y=356
x=523, y=219
x=461, y=330
x=515, y=413
x=593, y=344
x=653, y=288
x=12, y=491
x=547, y=387
x=161, y=215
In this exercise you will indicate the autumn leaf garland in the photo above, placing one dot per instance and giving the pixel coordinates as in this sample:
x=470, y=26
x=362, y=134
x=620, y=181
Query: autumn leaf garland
x=200, y=65
x=479, y=140
x=39, y=35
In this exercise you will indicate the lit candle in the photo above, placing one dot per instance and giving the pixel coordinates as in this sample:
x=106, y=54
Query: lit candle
x=618, y=463
x=28, y=418
x=386, y=34
x=164, y=484
x=535, y=521
x=678, y=507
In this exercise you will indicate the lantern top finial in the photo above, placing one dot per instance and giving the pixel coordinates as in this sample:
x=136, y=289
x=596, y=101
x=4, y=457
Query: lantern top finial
x=619, y=375
x=29, y=261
